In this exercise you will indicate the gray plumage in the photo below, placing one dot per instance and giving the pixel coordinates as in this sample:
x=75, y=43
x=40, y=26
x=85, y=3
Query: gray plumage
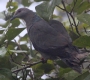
x=50, y=38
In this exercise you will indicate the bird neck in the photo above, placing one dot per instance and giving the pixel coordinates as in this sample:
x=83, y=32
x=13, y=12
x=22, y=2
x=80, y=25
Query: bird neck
x=31, y=19
x=28, y=19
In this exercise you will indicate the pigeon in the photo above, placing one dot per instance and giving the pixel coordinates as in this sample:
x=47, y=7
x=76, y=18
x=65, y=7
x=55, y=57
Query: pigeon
x=50, y=38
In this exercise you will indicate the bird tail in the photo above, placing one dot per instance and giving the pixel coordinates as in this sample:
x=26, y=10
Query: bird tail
x=73, y=64
x=74, y=59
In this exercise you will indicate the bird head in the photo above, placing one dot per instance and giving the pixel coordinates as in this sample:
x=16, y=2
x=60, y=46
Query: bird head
x=21, y=13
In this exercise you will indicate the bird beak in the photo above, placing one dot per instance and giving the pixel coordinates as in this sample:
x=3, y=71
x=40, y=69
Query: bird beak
x=12, y=18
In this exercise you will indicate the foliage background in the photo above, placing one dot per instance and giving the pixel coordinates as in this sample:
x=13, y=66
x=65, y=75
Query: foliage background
x=18, y=59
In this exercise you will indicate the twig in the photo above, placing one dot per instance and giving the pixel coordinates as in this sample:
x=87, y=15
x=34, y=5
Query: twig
x=17, y=45
x=31, y=75
x=76, y=26
x=87, y=11
x=73, y=6
x=85, y=30
x=69, y=13
x=26, y=66
x=23, y=78
x=20, y=47
x=60, y=8
x=66, y=13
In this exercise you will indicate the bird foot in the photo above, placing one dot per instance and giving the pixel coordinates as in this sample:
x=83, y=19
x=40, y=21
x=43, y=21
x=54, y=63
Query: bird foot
x=43, y=60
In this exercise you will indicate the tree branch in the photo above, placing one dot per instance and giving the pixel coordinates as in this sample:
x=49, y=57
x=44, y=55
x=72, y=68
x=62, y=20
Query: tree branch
x=26, y=66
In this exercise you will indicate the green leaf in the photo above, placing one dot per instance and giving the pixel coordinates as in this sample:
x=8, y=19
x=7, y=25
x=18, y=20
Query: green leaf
x=5, y=25
x=74, y=4
x=24, y=38
x=24, y=47
x=5, y=74
x=46, y=67
x=71, y=75
x=5, y=62
x=45, y=9
x=41, y=0
x=61, y=64
x=73, y=35
x=54, y=79
x=78, y=6
x=62, y=71
x=83, y=76
x=85, y=18
x=2, y=51
x=11, y=45
x=2, y=38
x=19, y=58
x=88, y=77
x=18, y=51
x=26, y=2
x=13, y=32
x=83, y=41
x=83, y=6
x=15, y=23
x=38, y=72
x=12, y=6
x=2, y=15
x=1, y=31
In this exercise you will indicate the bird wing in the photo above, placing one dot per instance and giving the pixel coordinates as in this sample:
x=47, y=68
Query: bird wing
x=45, y=37
x=58, y=26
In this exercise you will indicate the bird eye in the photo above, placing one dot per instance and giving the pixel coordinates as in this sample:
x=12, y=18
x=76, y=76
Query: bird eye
x=19, y=11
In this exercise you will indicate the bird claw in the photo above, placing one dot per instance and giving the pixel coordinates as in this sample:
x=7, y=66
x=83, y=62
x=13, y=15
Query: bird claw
x=43, y=60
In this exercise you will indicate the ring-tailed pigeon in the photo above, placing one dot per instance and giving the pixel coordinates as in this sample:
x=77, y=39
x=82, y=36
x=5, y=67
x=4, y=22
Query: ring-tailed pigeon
x=50, y=38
